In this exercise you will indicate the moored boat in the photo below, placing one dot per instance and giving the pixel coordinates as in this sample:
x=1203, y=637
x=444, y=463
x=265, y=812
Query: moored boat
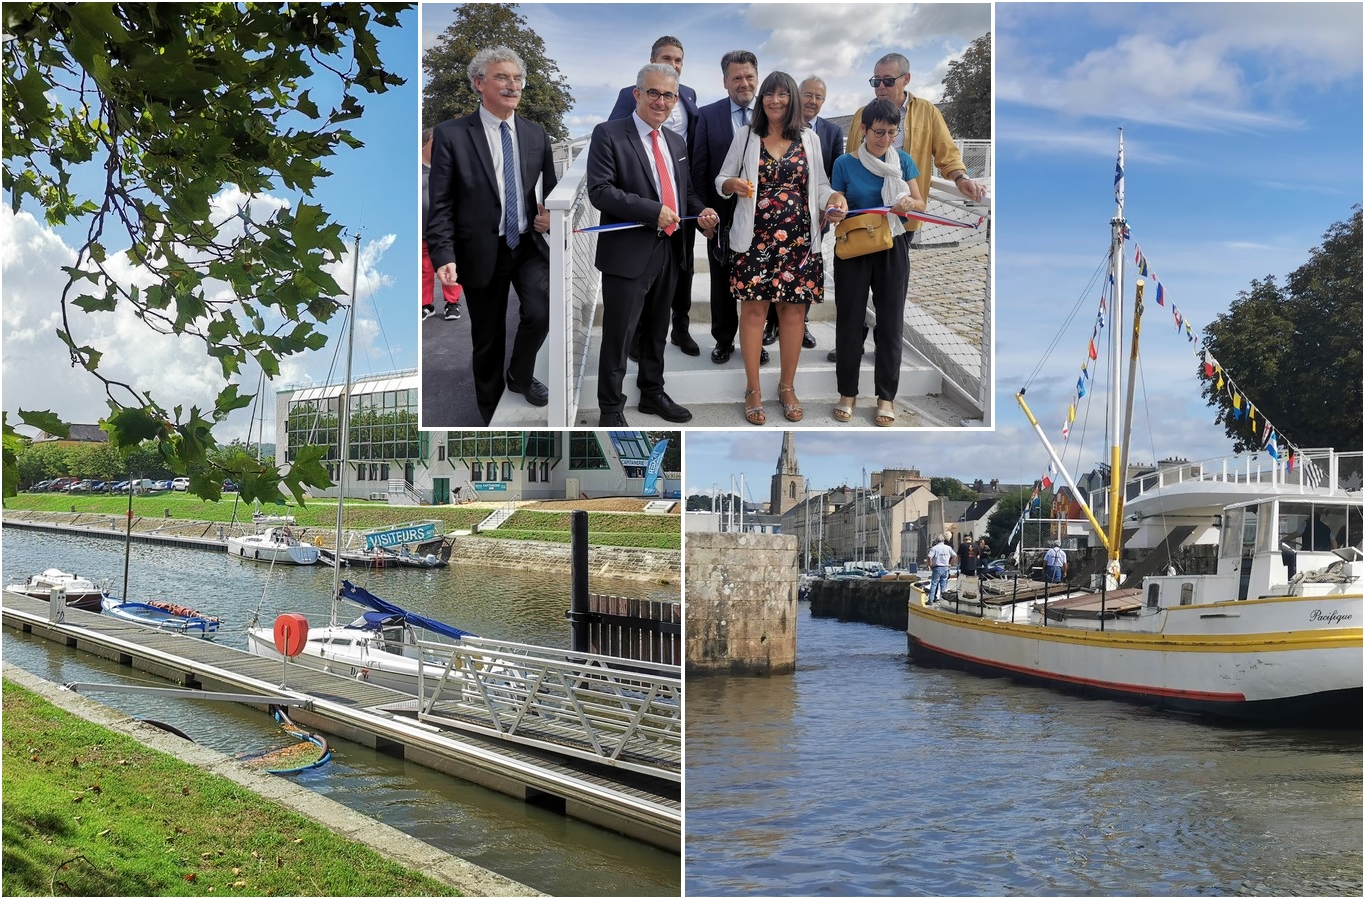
x=81, y=593
x=163, y=616
x=276, y=544
x=1273, y=635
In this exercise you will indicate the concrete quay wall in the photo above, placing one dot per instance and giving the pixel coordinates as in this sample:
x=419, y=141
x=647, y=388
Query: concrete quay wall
x=741, y=604
x=861, y=600
x=618, y=562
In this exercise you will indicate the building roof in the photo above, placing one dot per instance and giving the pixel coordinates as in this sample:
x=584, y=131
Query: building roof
x=375, y=384
x=90, y=434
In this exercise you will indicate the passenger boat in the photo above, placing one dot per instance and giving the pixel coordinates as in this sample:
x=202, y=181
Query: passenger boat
x=81, y=593
x=274, y=545
x=162, y=616
x=1272, y=636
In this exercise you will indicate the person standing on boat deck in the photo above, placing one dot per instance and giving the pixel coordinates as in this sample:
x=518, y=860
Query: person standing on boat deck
x=775, y=170
x=638, y=173
x=925, y=136
x=485, y=215
x=451, y=294
x=1317, y=535
x=941, y=557
x=877, y=175
x=683, y=121
x=1055, y=564
x=967, y=560
x=717, y=124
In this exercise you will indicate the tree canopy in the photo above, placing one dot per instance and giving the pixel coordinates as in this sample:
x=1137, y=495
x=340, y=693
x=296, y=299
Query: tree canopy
x=1295, y=351
x=951, y=489
x=448, y=94
x=170, y=104
x=967, y=92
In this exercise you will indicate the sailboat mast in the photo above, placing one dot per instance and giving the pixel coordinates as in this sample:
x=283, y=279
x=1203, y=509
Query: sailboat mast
x=1116, y=324
x=344, y=428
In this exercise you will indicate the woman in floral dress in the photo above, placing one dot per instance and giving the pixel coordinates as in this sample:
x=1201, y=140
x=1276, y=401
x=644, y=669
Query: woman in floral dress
x=775, y=169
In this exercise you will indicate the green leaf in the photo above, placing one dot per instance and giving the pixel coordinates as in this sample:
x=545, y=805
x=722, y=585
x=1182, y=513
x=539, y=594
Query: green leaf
x=45, y=421
x=129, y=427
x=90, y=303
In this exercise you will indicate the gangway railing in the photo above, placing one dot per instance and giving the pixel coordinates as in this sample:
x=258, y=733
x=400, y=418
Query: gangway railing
x=498, y=516
x=577, y=704
x=575, y=287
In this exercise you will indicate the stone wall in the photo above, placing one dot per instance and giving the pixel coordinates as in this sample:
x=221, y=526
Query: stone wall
x=861, y=600
x=619, y=562
x=741, y=604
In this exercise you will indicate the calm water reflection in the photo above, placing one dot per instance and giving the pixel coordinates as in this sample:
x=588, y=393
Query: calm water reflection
x=862, y=774
x=545, y=850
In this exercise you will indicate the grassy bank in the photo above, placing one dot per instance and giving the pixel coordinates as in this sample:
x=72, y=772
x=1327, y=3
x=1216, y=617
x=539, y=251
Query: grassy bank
x=604, y=528
x=90, y=812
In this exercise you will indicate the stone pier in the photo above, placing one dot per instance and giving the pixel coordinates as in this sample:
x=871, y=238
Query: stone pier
x=741, y=604
x=861, y=600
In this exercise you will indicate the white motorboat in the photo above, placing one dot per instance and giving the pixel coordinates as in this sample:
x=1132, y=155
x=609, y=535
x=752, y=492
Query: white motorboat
x=162, y=616
x=1273, y=635
x=274, y=545
x=81, y=593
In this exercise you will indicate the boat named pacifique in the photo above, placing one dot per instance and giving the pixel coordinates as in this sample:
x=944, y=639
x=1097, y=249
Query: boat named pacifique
x=1273, y=636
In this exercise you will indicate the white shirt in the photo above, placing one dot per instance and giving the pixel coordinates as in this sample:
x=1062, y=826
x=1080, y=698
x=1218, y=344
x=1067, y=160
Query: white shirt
x=941, y=555
x=678, y=119
x=644, y=129
x=1056, y=557
x=493, y=131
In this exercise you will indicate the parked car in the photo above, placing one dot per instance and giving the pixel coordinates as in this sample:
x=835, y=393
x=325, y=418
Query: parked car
x=62, y=484
x=79, y=487
x=41, y=486
x=120, y=487
x=229, y=486
x=163, y=485
x=180, y=484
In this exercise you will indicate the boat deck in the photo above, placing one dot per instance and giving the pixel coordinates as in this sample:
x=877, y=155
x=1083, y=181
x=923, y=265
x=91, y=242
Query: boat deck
x=644, y=807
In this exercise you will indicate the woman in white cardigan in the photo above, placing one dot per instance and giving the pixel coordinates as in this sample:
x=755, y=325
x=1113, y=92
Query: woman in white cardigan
x=775, y=169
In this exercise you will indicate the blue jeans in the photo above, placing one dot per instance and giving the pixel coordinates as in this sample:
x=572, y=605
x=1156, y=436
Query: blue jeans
x=939, y=581
x=1052, y=574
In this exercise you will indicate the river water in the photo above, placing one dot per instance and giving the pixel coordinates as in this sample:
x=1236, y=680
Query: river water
x=862, y=774
x=545, y=850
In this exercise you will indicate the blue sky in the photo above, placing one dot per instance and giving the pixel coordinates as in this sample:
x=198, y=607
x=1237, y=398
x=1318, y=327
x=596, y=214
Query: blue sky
x=373, y=189
x=599, y=47
x=1243, y=139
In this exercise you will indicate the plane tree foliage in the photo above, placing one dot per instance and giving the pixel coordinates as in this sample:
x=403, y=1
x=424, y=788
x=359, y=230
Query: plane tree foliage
x=125, y=121
x=967, y=92
x=448, y=94
x=1294, y=350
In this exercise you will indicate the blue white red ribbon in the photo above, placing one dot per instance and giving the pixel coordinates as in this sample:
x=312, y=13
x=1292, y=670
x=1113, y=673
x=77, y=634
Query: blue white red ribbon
x=923, y=217
x=623, y=226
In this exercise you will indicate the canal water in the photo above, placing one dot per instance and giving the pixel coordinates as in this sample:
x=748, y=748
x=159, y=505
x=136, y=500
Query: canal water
x=862, y=774
x=543, y=849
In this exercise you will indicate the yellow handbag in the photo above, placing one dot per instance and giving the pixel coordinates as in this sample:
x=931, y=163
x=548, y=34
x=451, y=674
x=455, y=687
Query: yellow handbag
x=861, y=235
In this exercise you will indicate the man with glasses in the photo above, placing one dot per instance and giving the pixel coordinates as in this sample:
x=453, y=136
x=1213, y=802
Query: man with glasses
x=638, y=174
x=717, y=124
x=683, y=121
x=489, y=170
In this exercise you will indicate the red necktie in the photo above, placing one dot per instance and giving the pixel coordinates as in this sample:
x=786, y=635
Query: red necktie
x=666, y=188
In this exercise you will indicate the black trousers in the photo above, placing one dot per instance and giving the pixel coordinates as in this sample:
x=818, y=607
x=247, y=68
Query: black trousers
x=725, y=309
x=526, y=270
x=682, y=299
x=639, y=306
x=887, y=275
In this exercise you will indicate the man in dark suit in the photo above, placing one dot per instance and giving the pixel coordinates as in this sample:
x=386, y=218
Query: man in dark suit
x=716, y=126
x=638, y=173
x=683, y=120
x=812, y=92
x=486, y=217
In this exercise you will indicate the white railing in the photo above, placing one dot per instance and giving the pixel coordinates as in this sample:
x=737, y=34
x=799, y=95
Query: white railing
x=498, y=516
x=575, y=284
x=977, y=157
x=399, y=487
x=578, y=704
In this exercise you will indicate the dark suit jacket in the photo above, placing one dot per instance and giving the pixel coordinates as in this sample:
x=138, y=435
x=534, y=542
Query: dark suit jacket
x=465, y=205
x=710, y=143
x=621, y=187
x=626, y=104
x=832, y=143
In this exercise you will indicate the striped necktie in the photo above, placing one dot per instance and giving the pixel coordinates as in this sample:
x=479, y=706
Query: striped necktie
x=666, y=187
x=511, y=232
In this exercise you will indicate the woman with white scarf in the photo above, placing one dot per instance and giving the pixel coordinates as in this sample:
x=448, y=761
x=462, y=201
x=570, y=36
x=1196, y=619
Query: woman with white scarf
x=775, y=167
x=878, y=174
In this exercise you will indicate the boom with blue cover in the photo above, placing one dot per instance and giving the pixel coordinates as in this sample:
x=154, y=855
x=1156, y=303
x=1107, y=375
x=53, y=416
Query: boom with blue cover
x=361, y=597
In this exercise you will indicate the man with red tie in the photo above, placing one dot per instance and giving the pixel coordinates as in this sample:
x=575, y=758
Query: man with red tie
x=638, y=174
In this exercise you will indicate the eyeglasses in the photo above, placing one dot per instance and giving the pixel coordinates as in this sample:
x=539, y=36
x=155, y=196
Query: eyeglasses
x=885, y=81
x=779, y=95
x=507, y=79
x=881, y=133
x=666, y=96
x=807, y=95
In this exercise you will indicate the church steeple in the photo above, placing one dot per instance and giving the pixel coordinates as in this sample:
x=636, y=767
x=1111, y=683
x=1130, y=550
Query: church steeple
x=788, y=488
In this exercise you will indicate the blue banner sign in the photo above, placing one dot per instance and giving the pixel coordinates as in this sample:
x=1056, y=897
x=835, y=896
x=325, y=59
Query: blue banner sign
x=490, y=486
x=408, y=534
x=654, y=467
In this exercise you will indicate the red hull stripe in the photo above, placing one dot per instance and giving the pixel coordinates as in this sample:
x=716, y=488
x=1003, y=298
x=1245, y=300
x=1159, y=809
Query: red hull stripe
x=1210, y=696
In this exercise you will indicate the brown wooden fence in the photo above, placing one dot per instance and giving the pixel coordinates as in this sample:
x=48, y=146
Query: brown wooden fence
x=644, y=630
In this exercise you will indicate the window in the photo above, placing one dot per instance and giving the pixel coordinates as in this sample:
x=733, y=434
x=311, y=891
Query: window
x=440, y=452
x=585, y=452
x=476, y=471
x=383, y=471
x=507, y=470
x=545, y=470
x=491, y=470
x=360, y=472
x=531, y=472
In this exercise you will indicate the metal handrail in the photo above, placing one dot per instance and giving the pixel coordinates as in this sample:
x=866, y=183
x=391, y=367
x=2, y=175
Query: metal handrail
x=578, y=704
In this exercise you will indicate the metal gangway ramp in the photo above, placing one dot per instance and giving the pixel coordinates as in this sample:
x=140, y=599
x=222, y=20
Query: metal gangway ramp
x=617, y=712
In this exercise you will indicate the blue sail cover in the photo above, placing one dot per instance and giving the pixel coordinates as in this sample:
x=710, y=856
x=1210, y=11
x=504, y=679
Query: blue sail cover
x=361, y=597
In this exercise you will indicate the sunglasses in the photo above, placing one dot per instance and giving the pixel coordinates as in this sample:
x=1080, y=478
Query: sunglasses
x=886, y=81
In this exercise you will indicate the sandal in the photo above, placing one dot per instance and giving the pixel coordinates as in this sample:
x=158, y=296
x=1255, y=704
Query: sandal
x=754, y=415
x=843, y=413
x=885, y=417
x=792, y=411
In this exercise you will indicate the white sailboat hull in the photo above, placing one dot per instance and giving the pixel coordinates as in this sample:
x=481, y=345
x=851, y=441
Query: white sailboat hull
x=1272, y=659
x=344, y=651
x=262, y=549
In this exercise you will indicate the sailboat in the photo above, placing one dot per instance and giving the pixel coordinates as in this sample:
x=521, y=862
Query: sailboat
x=380, y=645
x=1272, y=636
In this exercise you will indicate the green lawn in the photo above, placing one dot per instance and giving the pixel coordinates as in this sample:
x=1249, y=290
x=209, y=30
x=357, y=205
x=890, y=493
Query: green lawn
x=90, y=812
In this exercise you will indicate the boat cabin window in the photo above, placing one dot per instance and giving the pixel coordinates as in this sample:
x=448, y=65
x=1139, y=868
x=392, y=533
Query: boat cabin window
x=1187, y=593
x=1311, y=526
x=1154, y=594
x=1240, y=528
